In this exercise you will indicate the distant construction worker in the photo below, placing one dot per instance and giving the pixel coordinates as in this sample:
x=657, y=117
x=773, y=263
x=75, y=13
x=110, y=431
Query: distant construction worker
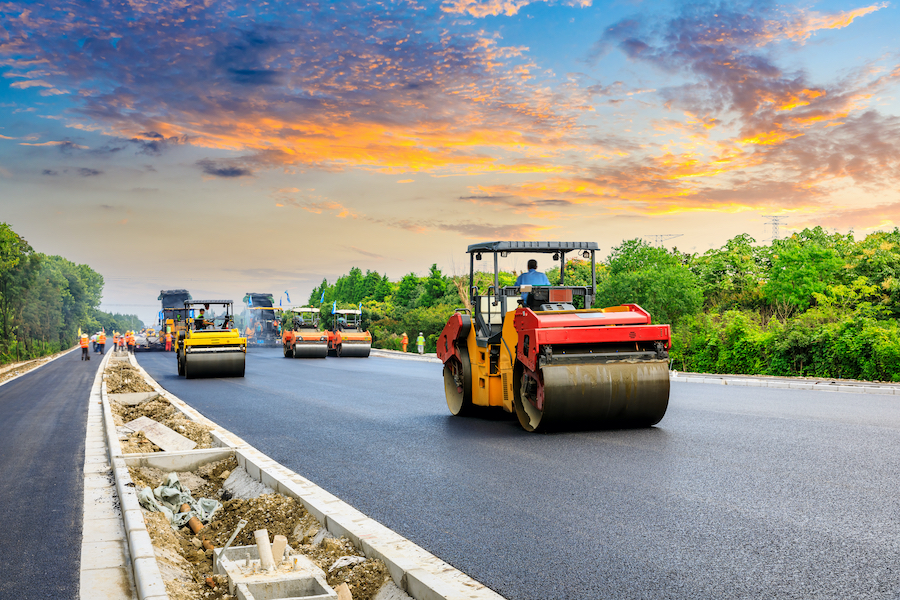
x=129, y=339
x=84, y=341
x=404, y=341
x=420, y=343
x=531, y=277
x=101, y=342
x=94, y=342
x=115, y=340
x=168, y=341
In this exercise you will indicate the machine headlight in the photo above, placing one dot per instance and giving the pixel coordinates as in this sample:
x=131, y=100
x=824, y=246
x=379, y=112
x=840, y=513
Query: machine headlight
x=322, y=339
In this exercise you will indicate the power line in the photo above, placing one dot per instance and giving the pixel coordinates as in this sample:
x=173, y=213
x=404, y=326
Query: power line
x=659, y=238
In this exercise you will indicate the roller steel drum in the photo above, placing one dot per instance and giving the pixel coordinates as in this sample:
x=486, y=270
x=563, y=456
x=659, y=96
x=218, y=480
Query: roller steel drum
x=599, y=395
x=219, y=363
x=354, y=349
x=310, y=350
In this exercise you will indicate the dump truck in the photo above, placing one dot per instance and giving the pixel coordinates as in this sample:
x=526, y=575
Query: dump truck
x=301, y=337
x=347, y=336
x=262, y=322
x=211, y=346
x=528, y=350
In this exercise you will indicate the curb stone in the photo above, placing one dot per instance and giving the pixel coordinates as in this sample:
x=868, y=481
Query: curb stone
x=794, y=383
x=414, y=570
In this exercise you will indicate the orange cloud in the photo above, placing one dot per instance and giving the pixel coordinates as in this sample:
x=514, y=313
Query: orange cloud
x=804, y=26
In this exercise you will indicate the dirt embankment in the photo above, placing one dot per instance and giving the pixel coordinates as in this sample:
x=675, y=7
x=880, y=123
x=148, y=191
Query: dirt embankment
x=186, y=565
x=11, y=370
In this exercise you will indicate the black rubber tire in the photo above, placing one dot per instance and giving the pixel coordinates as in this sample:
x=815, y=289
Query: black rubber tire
x=460, y=404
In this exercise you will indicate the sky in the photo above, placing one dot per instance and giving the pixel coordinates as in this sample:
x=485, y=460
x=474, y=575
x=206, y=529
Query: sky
x=232, y=147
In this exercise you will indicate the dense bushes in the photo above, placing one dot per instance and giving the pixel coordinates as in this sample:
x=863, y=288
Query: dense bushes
x=814, y=304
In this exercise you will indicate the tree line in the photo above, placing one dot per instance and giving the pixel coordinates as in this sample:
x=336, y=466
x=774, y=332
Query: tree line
x=814, y=304
x=44, y=300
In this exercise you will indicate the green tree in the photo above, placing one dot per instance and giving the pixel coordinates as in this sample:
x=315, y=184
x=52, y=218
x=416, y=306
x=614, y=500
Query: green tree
x=652, y=278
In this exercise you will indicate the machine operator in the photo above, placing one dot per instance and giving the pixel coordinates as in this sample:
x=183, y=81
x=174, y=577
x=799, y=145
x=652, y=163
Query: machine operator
x=531, y=277
x=200, y=321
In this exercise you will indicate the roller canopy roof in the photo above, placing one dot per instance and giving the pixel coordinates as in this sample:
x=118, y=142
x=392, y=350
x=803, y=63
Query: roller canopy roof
x=208, y=302
x=531, y=246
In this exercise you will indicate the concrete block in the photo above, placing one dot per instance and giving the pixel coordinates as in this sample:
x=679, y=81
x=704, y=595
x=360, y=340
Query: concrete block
x=134, y=398
x=103, y=555
x=140, y=546
x=134, y=521
x=162, y=436
x=105, y=583
x=108, y=529
x=801, y=386
x=188, y=460
x=147, y=579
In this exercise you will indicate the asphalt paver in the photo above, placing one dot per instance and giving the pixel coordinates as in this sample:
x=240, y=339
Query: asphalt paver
x=43, y=421
x=737, y=493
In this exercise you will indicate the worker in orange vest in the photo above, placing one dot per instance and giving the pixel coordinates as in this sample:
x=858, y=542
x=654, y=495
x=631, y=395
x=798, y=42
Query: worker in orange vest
x=101, y=342
x=115, y=340
x=168, y=341
x=404, y=341
x=84, y=341
x=130, y=341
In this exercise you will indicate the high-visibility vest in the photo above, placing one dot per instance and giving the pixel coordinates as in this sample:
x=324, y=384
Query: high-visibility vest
x=404, y=339
x=130, y=338
x=116, y=339
x=420, y=341
x=168, y=338
x=84, y=341
x=102, y=339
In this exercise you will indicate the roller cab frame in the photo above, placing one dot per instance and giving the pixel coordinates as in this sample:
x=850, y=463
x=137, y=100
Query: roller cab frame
x=554, y=366
x=214, y=349
x=263, y=313
x=301, y=337
x=348, y=338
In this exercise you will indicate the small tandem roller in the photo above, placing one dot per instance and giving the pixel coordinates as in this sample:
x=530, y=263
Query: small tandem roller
x=301, y=337
x=555, y=366
x=211, y=346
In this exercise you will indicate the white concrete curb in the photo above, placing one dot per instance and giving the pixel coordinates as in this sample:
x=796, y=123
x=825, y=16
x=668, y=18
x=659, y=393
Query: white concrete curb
x=793, y=383
x=148, y=580
x=419, y=573
x=406, y=355
x=60, y=355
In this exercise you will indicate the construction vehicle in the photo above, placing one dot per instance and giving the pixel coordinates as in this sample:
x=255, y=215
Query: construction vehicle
x=173, y=317
x=554, y=366
x=262, y=322
x=347, y=337
x=211, y=346
x=301, y=337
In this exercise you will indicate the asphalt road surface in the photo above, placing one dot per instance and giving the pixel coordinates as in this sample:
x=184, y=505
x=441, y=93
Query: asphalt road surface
x=43, y=423
x=738, y=493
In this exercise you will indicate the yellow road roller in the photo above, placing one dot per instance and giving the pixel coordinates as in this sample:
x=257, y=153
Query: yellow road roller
x=528, y=350
x=211, y=346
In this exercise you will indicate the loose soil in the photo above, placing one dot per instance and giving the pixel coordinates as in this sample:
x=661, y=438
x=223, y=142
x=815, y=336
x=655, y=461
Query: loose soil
x=122, y=378
x=185, y=566
x=126, y=379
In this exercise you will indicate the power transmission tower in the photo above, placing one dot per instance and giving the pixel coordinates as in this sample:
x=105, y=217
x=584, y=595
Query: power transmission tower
x=776, y=225
x=659, y=238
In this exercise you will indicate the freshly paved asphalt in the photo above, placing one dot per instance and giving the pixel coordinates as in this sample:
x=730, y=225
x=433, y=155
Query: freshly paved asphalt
x=737, y=493
x=43, y=421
